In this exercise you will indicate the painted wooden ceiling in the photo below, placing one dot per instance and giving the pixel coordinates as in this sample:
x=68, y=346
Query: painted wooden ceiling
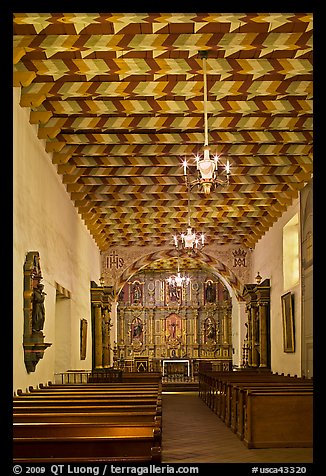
x=118, y=99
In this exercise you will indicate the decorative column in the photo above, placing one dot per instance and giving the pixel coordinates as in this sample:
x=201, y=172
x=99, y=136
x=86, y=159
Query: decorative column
x=257, y=297
x=106, y=338
x=249, y=343
x=196, y=317
x=101, y=297
x=254, y=342
x=251, y=300
x=98, y=362
x=150, y=337
x=226, y=324
x=263, y=298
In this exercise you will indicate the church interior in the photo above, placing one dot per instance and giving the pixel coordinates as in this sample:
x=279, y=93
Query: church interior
x=162, y=225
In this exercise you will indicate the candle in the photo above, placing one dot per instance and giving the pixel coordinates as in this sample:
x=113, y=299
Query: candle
x=184, y=167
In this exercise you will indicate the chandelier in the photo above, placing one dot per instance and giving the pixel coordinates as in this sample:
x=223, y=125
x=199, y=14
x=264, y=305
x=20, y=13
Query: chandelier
x=207, y=166
x=190, y=241
x=178, y=280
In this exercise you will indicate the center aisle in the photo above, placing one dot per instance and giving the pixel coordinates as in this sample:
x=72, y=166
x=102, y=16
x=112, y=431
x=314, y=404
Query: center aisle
x=192, y=433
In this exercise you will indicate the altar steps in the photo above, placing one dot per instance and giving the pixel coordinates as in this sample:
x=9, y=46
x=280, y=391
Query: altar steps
x=180, y=387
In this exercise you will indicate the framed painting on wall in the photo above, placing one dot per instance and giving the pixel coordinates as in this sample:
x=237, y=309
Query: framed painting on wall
x=288, y=322
x=83, y=338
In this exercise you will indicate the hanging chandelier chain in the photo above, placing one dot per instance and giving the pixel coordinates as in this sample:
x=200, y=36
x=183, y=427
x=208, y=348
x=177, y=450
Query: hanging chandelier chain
x=189, y=215
x=205, y=103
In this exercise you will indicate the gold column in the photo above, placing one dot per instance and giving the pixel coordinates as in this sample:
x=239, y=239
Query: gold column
x=106, y=338
x=254, y=353
x=249, y=335
x=150, y=338
x=196, y=317
x=98, y=337
x=121, y=334
x=226, y=312
x=151, y=327
x=263, y=334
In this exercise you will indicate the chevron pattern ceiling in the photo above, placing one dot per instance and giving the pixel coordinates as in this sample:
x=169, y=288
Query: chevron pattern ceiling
x=118, y=99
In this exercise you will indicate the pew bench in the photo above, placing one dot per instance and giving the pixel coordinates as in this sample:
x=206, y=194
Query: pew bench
x=233, y=396
x=54, y=407
x=35, y=443
x=274, y=419
x=100, y=386
x=130, y=417
x=235, y=408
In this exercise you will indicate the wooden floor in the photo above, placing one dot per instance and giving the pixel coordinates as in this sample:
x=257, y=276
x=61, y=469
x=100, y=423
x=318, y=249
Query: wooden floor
x=192, y=433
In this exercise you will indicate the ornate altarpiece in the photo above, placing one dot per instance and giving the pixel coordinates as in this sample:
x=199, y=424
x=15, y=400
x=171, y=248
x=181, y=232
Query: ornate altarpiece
x=157, y=322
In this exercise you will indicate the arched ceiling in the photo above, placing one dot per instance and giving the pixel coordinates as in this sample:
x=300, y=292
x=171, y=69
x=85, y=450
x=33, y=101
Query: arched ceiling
x=118, y=99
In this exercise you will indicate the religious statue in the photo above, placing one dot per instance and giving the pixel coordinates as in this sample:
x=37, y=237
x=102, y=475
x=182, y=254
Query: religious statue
x=210, y=329
x=210, y=292
x=38, y=312
x=136, y=292
x=173, y=292
x=138, y=328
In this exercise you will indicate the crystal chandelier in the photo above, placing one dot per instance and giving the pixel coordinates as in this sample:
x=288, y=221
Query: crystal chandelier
x=177, y=280
x=190, y=241
x=207, y=166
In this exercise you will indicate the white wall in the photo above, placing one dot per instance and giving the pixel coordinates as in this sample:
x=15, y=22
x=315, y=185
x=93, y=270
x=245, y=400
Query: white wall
x=268, y=260
x=45, y=220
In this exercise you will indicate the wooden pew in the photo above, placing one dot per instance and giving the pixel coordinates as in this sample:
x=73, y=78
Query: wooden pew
x=228, y=402
x=21, y=407
x=228, y=396
x=276, y=419
x=88, y=399
x=122, y=423
x=235, y=418
x=66, y=416
x=103, y=386
x=108, y=414
x=101, y=394
x=34, y=443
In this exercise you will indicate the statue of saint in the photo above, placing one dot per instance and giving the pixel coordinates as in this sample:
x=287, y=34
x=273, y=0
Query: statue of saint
x=38, y=312
x=137, y=294
x=138, y=328
x=211, y=331
x=210, y=293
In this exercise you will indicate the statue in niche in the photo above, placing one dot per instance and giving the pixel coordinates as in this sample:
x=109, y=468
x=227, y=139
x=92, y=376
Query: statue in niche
x=173, y=326
x=210, y=328
x=137, y=328
x=210, y=292
x=136, y=292
x=38, y=312
x=174, y=292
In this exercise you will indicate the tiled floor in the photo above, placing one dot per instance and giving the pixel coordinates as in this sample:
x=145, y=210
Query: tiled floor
x=192, y=433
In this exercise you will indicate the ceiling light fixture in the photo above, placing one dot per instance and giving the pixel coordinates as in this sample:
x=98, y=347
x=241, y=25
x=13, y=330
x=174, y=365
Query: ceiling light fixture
x=207, y=166
x=177, y=280
x=190, y=241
